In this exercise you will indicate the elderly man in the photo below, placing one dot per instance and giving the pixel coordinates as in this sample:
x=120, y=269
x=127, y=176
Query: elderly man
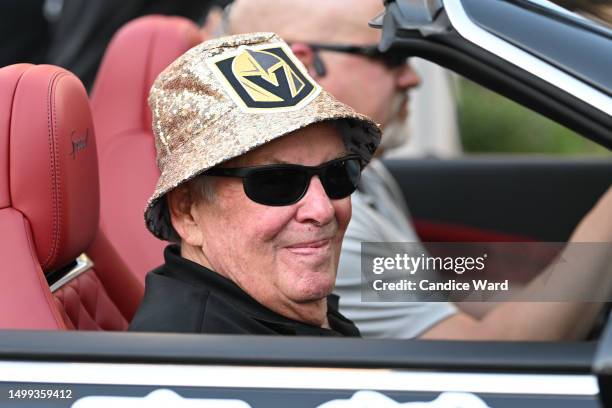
x=257, y=167
x=375, y=85
x=333, y=41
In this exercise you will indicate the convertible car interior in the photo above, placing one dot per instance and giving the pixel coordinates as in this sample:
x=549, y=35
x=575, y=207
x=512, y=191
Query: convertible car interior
x=122, y=246
x=76, y=171
x=50, y=216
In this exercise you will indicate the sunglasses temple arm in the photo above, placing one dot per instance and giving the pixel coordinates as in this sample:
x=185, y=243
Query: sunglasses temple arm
x=319, y=67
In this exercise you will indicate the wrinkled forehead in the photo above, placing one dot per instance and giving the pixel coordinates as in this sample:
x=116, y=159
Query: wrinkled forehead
x=348, y=28
x=355, y=29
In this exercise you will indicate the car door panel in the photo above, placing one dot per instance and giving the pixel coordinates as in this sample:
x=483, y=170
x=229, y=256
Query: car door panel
x=500, y=198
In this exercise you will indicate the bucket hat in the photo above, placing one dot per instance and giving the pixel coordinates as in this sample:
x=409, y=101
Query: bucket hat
x=228, y=96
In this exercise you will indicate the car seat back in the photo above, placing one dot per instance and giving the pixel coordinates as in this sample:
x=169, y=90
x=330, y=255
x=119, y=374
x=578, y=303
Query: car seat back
x=123, y=249
x=48, y=203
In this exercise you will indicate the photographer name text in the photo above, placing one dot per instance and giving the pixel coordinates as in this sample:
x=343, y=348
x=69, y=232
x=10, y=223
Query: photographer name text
x=451, y=285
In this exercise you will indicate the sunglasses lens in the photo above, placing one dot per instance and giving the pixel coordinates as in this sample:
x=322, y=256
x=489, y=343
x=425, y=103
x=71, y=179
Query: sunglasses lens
x=395, y=61
x=341, y=178
x=276, y=186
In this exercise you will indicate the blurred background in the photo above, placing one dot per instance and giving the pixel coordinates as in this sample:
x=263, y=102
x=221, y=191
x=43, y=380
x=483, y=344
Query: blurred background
x=450, y=115
x=517, y=129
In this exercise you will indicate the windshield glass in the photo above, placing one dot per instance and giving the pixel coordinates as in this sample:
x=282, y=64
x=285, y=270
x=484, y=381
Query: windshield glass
x=541, y=29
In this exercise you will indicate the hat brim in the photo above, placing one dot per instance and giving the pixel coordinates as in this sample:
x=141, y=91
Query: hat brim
x=195, y=156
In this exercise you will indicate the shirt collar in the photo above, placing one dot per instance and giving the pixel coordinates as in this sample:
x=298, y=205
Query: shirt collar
x=190, y=272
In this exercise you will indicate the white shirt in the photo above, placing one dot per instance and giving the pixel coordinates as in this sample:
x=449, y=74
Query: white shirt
x=380, y=214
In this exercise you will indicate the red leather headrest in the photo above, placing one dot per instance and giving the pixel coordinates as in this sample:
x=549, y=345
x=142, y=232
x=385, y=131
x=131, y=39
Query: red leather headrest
x=133, y=59
x=48, y=159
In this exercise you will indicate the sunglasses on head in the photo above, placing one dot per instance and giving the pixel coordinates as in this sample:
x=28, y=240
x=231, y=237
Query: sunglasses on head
x=390, y=60
x=286, y=184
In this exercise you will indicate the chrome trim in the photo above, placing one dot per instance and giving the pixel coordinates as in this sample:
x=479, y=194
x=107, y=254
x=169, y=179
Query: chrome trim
x=556, y=8
x=522, y=59
x=83, y=265
x=296, y=378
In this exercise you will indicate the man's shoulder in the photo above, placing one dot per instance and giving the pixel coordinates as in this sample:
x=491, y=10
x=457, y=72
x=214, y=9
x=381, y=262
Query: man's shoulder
x=170, y=305
x=173, y=305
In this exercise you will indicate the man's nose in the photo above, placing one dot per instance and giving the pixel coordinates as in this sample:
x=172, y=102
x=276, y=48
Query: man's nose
x=407, y=77
x=315, y=206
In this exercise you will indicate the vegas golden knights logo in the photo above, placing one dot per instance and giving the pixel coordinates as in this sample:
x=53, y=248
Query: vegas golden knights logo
x=265, y=78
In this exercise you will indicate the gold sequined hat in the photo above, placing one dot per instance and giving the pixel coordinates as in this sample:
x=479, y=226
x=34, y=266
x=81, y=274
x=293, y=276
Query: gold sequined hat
x=230, y=95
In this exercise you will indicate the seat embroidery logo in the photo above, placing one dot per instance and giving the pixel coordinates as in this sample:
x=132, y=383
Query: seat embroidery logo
x=260, y=79
x=79, y=142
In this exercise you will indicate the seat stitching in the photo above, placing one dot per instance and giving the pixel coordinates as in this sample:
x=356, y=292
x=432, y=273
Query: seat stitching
x=54, y=169
x=10, y=126
x=44, y=285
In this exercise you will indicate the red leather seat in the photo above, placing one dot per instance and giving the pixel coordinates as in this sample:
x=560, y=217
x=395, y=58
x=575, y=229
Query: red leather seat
x=48, y=203
x=123, y=249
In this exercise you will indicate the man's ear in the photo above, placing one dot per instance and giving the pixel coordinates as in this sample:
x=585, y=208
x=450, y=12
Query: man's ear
x=305, y=53
x=181, y=205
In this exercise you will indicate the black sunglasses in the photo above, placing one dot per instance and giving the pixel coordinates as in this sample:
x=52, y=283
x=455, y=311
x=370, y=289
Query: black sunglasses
x=390, y=60
x=286, y=184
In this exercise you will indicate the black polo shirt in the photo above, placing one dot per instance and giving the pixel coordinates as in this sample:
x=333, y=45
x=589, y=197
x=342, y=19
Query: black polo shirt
x=183, y=296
